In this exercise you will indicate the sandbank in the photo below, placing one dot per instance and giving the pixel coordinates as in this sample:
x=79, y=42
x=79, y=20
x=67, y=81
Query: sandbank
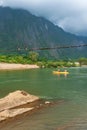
x=13, y=66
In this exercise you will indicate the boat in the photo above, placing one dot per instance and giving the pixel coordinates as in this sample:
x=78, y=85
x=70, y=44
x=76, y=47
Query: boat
x=61, y=72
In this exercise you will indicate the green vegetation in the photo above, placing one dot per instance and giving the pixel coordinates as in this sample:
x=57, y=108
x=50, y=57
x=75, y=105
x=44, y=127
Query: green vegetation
x=34, y=58
x=82, y=61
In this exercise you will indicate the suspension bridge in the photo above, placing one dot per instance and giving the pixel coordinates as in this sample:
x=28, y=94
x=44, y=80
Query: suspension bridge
x=43, y=48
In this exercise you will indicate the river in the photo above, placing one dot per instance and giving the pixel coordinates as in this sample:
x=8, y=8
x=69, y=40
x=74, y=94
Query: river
x=69, y=115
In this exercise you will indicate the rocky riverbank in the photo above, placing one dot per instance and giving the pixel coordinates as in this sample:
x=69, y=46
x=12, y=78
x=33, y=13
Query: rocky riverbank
x=12, y=104
x=18, y=103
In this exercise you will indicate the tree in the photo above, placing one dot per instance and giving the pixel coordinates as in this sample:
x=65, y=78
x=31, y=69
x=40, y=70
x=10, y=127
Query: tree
x=33, y=56
x=83, y=61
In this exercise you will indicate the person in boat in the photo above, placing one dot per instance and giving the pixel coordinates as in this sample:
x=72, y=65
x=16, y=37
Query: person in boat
x=58, y=70
x=65, y=70
x=65, y=73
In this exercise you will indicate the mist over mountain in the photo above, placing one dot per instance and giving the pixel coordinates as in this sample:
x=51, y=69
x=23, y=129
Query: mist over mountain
x=20, y=30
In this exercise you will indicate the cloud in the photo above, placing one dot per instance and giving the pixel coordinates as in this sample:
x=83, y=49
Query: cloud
x=71, y=15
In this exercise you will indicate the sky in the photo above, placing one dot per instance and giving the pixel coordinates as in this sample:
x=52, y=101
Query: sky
x=70, y=15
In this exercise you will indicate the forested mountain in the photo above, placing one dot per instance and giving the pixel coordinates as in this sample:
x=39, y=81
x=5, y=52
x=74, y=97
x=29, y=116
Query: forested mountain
x=21, y=31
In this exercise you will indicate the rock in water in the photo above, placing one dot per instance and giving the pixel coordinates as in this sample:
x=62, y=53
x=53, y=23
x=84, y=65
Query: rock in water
x=13, y=100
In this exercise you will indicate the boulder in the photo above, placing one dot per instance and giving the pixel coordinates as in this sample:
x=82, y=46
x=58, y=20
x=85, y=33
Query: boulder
x=16, y=99
x=10, y=105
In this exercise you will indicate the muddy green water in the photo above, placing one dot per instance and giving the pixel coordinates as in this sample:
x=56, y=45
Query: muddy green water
x=69, y=115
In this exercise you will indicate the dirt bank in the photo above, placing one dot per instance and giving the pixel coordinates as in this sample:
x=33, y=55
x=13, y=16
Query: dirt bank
x=8, y=66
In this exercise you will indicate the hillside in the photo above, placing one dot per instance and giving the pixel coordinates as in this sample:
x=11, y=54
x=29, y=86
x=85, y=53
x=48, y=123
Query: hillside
x=21, y=31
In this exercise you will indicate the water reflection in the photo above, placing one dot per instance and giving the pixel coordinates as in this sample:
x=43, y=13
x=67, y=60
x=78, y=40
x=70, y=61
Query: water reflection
x=69, y=115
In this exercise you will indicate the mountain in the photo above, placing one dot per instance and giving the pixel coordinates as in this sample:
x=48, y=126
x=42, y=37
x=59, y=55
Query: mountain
x=21, y=31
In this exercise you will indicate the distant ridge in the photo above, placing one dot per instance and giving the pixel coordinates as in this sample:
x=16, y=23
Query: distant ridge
x=20, y=30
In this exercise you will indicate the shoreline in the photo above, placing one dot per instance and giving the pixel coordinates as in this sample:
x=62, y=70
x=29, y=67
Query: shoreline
x=19, y=66
x=14, y=66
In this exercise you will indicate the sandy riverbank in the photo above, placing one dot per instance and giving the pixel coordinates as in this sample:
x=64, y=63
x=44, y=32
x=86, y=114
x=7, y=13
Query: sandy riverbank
x=13, y=66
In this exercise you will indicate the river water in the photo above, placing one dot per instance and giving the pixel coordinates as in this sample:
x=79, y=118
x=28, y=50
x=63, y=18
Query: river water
x=68, y=115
